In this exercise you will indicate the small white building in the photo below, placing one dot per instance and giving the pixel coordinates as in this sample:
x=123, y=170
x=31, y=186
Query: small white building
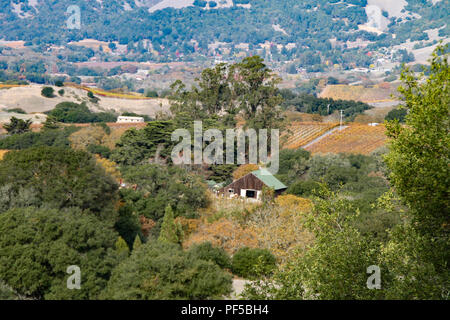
x=125, y=119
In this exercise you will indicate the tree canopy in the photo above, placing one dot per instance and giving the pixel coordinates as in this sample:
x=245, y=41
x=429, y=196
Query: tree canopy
x=43, y=243
x=56, y=177
x=164, y=271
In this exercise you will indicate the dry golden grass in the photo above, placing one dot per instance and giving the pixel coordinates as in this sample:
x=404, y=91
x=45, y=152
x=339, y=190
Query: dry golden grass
x=295, y=116
x=359, y=93
x=109, y=94
x=7, y=86
x=357, y=139
x=233, y=223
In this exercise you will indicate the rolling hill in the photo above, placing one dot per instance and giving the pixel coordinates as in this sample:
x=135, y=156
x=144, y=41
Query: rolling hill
x=29, y=98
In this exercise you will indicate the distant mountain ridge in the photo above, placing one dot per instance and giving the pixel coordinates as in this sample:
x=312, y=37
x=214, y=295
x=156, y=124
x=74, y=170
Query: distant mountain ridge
x=290, y=27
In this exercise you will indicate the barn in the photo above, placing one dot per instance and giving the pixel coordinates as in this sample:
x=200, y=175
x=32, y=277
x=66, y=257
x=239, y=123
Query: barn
x=251, y=185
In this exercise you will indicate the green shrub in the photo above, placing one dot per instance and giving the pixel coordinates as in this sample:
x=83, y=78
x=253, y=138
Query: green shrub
x=17, y=126
x=200, y=3
x=71, y=112
x=48, y=92
x=151, y=94
x=337, y=175
x=205, y=251
x=102, y=151
x=303, y=188
x=50, y=137
x=17, y=110
x=390, y=78
x=159, y=186
x=397, y=114
x=6, y=293
x=163, y=271
x=249, y=263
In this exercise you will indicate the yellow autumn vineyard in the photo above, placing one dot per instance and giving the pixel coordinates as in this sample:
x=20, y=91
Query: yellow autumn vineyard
x=302, y=133
x=360, y=139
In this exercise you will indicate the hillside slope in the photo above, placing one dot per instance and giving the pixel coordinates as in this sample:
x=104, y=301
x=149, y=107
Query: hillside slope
x=307, y=24
x=29, y=98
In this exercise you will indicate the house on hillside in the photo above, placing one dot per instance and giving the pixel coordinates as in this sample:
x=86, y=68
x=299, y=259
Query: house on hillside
x=251, y=185
x=124, y=119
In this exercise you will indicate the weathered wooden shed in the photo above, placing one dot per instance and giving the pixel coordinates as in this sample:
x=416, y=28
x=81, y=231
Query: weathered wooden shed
x=251, y=185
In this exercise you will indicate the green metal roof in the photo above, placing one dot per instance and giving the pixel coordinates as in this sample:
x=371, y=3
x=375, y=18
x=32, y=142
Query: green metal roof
x=268, y=179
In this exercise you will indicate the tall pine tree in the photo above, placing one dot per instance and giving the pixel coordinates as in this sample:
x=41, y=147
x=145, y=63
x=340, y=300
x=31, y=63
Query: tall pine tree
x=170, y=230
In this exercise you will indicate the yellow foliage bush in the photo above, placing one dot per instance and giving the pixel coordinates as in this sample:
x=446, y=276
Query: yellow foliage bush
x=223, y=233
x=291, y=202
x=244, y=170
x=188, y=225
x=109, y=166
x=2, y=153
x=232, y=224
x=86, y=136
x=114, y=137
x=280, y=227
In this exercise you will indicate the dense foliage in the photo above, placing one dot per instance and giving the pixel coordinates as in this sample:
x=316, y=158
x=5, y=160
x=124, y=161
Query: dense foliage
x=17, y=126
x=413, y=257
x=205, y=251
x=324, y=106
x=164, y=271
x=248, y=262
x=158, y=186
x=53, y=138
x=41, y=245
x=397, y=114
x=139, y=146
x=71, y=112
x=56, y=177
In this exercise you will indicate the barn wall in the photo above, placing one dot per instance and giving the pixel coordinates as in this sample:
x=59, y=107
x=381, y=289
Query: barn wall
x=249, y=181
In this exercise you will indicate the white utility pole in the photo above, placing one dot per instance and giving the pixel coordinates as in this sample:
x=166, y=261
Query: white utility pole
x=340, y=125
